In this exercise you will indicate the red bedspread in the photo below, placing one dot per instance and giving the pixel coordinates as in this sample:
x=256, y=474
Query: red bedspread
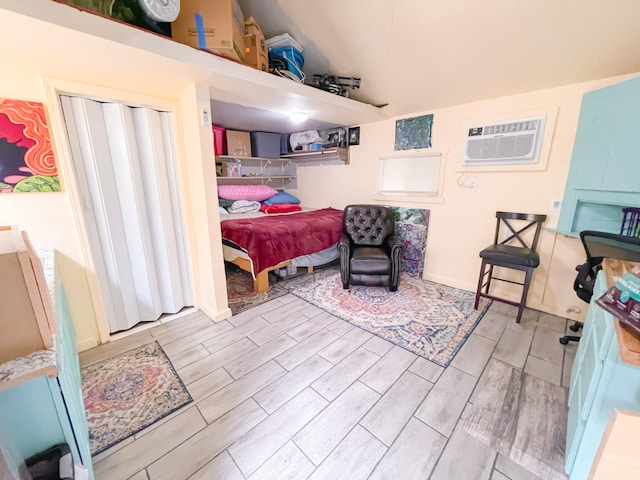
x=271, y=240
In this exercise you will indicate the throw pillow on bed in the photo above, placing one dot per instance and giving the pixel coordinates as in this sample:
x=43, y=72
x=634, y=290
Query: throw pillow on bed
x=244, y=206
x=280, y=208
x=256, y=193
x=282, y=197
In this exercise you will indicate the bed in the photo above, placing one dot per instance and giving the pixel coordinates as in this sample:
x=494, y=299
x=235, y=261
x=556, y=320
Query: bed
x=259, y=243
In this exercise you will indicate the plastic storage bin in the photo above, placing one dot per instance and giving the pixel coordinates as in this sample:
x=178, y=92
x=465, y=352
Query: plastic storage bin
x=265, y=144
x=292, y=57
x=219, y=140
x=285, y=46
x=284, y=144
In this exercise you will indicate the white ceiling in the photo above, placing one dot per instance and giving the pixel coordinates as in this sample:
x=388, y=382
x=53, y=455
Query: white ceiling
x=417, y=55
x=238, y=117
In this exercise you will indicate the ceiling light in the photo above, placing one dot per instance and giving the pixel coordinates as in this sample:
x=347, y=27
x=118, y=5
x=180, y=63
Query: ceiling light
x=298, y=117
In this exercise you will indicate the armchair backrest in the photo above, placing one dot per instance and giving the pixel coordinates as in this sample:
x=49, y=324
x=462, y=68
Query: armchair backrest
x=368, y=224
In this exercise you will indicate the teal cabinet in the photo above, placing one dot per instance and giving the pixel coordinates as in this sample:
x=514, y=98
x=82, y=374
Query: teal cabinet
x=605, y=164
x=43, y=411
x=600, y=382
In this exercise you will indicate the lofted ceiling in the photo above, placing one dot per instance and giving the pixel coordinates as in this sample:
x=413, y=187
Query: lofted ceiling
x=415, y=55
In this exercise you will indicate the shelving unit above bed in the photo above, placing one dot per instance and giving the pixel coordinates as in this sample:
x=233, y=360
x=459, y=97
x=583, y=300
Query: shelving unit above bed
x=325, y=155
x=263, y=162
x=276, y=172
x=276, y=181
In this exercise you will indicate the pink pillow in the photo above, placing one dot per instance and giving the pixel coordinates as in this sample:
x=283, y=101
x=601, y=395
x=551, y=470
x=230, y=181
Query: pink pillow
x=256, y=193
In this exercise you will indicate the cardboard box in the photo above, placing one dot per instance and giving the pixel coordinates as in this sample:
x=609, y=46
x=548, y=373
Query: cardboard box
x=251, y=27
x=27, y=322
x=255, y=52
x=223, y=27
x=238, y=143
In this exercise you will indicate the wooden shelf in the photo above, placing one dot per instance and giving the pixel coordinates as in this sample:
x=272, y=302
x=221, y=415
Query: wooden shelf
x=233, y=159
x=629, y=345
x=278, y=181
x=337, y=153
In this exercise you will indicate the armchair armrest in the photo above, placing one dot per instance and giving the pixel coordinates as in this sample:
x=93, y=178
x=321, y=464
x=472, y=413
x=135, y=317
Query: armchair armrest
x=394, y=246
x=344, y=243
x=396, y=249
x=344, y=248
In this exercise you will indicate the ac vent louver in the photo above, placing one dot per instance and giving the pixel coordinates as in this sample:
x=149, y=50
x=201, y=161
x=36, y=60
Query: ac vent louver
x=514, y=142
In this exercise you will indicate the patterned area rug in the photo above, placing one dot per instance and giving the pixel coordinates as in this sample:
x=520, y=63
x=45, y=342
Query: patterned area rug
x=129, y=392
x=240, y=292
x=426, y=318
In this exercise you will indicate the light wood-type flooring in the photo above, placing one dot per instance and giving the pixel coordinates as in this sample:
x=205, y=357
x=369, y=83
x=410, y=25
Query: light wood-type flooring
x=287, y=391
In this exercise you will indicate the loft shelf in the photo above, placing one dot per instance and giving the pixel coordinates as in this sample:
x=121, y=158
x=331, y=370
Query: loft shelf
x=73, y=36
x=338, y=153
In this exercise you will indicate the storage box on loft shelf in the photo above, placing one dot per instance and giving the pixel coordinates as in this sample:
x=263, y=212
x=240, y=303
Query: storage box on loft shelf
x=213, y=25
x=255, y=46
x=255, y=52
x=238, y=143
x=283, y=49
x=265, y=144
x=219, y=140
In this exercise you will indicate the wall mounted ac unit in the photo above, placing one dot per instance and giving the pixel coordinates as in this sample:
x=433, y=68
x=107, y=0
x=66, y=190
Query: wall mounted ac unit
x=513, y=142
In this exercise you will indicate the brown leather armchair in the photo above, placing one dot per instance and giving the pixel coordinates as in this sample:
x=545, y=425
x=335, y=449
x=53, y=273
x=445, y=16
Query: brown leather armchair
x=370, y=254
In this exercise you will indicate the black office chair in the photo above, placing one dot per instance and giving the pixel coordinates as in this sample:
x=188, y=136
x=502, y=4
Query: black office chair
x=522, y=256
x=598, y=246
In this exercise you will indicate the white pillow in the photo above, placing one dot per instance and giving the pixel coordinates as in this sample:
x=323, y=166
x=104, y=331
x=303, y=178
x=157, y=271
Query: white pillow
x=222, y=211
x=244, y=206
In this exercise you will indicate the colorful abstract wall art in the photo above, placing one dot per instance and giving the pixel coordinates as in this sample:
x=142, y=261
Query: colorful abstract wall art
x=413, y=133
x=26, y=156
x=412, y=225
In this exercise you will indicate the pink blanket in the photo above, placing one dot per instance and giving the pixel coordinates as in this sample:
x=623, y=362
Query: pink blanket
x=274, y=239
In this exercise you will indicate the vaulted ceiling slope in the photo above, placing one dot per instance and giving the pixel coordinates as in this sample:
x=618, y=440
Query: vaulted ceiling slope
x=417, y=55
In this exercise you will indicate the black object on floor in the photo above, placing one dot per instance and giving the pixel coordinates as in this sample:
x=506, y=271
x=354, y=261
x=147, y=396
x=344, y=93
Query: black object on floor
x=55, y=463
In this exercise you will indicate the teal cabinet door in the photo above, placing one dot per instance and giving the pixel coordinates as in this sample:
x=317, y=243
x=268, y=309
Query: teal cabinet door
x=69, y=381
x=600, y=382
x=42, y=412
x=604, y=171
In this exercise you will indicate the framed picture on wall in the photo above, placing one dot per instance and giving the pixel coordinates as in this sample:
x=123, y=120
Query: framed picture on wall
x=354, y=136
x=413, y=133
x=26, y=156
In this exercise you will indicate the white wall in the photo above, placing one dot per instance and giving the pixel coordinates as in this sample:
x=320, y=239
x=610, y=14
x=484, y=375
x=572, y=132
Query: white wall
x=48, y=220
x=53, y=220
x=462, y=222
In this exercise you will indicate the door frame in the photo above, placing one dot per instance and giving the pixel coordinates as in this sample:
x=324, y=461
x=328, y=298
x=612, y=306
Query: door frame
x=53, y=89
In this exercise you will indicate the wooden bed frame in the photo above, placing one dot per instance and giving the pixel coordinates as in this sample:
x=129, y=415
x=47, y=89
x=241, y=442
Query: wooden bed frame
x=261, y=283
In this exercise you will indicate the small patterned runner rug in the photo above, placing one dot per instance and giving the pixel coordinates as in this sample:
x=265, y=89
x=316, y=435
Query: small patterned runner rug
x=129, y=392
x=424, y=317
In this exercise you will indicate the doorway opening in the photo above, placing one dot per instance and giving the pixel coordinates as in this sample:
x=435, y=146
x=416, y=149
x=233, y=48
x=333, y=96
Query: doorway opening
x=124, y=162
